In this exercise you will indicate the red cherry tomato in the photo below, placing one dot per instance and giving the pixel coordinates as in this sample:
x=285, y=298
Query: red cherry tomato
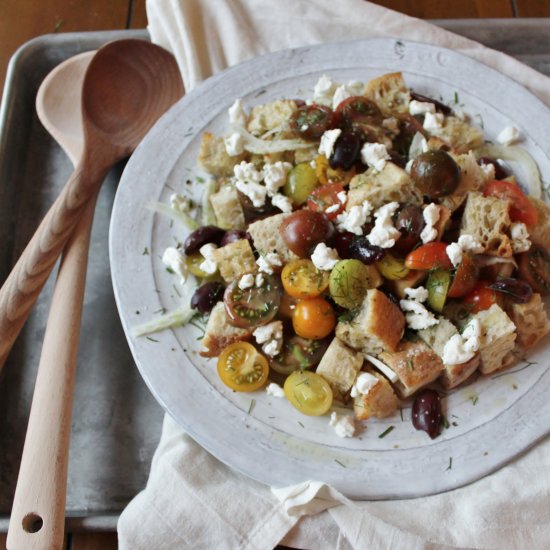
x=465, y=278
x=521, y=209
x=481, y=297
x=429, y=256
x=324, y=197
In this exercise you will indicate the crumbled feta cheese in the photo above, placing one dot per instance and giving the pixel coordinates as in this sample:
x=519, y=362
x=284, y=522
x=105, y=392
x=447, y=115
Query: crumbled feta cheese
x=328, y=139
x=472, y=335
x=282, y=202
x=274, y=390
x=421, y=107
x=384, y=234
x=341, y=93
x=342, y=197
x=271, y=336
x=180, y=203
x=247, y=172
x=488, y=170
x=355, y=87
x=234, y=144
x=454, y=252
x=375, y=155
x=268, y=261
x=352, y=220
x=260, y=280
x=520, y=237
x=324, y=258
x=246, y=281
x=433, y=122
x=364, y=382
x=237, y=115
x=431, y=216
x=343, y=425
x=254, y=191
x=454, y=352
x=416, y=315
x=174, y=259
x=419, y=294
x=333, y=208
x=469, y=243
x=209, y=265
x=275, y=176
x=509, y=135
x=324, y=90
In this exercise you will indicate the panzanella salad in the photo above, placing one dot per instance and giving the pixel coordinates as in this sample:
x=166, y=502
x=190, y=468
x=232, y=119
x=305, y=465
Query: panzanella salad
x=366, y=245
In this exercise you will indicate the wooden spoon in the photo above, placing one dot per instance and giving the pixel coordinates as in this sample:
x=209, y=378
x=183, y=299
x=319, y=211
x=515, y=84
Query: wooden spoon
x=127, y=86
x=38, y=514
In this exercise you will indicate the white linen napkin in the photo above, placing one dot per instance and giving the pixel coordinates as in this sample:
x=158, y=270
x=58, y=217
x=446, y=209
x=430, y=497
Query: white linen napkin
x=193, y=500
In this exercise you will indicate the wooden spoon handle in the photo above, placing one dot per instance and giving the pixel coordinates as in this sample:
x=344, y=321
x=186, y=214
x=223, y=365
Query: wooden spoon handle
x=23, y=285
x=38, y=514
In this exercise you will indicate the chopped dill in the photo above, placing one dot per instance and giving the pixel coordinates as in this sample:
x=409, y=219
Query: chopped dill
x=152, y=339
x=341, y=463
x=252, y=405
x=386, y=432
x=445, y=422
x=450, y=466
x=145, y=252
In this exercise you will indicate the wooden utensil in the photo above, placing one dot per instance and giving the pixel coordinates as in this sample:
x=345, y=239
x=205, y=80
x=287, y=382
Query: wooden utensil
x=38, y=513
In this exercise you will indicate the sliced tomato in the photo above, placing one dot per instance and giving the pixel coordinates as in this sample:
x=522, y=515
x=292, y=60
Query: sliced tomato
x=301, y=279
x=308, y=392
x=429, y=256
x=521, y=208
x=312, y=121
x=299, y=353
x=242, y=367
x=481, y=297
x=326, y=197
x=359, y=108
x=325, y=174
x=466, y=276
x=534, y=268
x=313, y=319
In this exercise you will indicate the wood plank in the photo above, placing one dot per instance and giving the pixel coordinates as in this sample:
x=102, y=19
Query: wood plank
x=435, y=9
x=94, y=541
x=138, y=15
x=533, y=8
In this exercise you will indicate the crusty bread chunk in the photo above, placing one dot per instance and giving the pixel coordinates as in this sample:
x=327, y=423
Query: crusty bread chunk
x=214, y=158
x=340, y=365
x=378, y=326
x=497, y=340
x=267, y=237
x=235, y=259
x=415, y=364
x=487, y=219
x=411, y=280
x=220, y=333
x=531, y=321
x=392, y=183
x=380, y=401
x=227, y=208
x=459, y=135
x=271, y=116
x=436, y=337
x=539, y=234
x=389, y=92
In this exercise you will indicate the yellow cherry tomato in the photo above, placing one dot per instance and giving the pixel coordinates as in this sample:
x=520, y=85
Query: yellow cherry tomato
x=308, y=392
x=301, y=279
x=313, y=318
x=242, y=367
x=325, y=174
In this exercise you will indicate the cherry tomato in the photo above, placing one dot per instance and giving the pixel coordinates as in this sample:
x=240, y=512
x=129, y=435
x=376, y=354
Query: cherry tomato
x=465, y=279
x=313, y=318
x=193, y=262
x=242, y=367
x=392, y=268
x=481, y=297
x=303, y=230
x=429, y=256
x=325, y=174
x=325, y=197
x=534, y=267
x=301, y=279
x=301, y=181
x=308, y=392
x=521, y=208
x=299, y=353
x=287, y=305
x=358, y=112
x=312, y=121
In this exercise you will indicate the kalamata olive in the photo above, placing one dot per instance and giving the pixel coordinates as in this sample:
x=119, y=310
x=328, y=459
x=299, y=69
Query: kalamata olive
x=253, y=213
x=426, y=412
x=398, y=159
x=201, y=236
x=233, y=235
x=435, y=173
x=439, y=107
x=342, y=243
x=500, y=172
x=410, y=223
x=408, y=127
x=519, y=291
x=362, y=250
x=312, y=121
x=304, y=229
x=534, y=267
x=346, y=151
x=207, y=296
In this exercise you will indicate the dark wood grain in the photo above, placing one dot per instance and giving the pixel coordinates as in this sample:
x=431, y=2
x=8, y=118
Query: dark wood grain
x=533, y=8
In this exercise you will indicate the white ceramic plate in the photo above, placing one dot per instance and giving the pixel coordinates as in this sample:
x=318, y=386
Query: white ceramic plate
x=492, y=420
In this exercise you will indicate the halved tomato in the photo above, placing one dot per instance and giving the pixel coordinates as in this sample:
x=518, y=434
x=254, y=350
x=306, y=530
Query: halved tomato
x=429, y=256
x=308, y=392
x=534, y=267
x=521, y=208
x=326, y=175
x=242, y=367
x=466, y=276
x=325, y=199
x=299, y=353
x=481, y=297
x=301, y=279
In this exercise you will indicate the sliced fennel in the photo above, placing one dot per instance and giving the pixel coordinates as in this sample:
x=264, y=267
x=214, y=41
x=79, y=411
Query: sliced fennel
x=176, y=215
x=173, y=319
x=383, y=368
x=260, y=147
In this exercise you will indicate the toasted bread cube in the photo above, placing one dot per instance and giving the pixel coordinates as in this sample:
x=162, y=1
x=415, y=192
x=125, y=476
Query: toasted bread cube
x=267, y=237
x=378, y=326
x=416, y=365
x=392, y=183
x=219, y=332
x=235, y=259
x=411, y=280
x=487, y=219
x=340, y=365
x=380, y=401
x=539, y=234
x=227, y=208
x=389, y=92
x=214, y=158
x=531, y=321
x=459, y=135
x=271, y=116
x=498, y=338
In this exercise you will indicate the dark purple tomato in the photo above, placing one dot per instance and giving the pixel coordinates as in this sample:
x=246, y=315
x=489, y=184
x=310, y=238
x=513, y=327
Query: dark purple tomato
x=312, y=121
x=519, y=291
x=410, y=223
x=304, y=229
x=435, y=173
x=534, y=267
x=347, y=150
x=426, y=412
x=439, y=107
x=207, y=296
x=342, y=242
x=233, y=235
x=500, y=172
x=362, y=250
x=201, y=236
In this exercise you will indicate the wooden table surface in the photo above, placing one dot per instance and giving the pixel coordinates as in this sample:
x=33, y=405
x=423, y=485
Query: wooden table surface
x=21, y=20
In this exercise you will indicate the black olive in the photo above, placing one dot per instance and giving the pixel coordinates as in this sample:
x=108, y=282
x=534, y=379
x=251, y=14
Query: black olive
x=207, y=296
x=520, y=291
x=500, y=172
x=410, y=223
x=233, y=235
x=426, y=412
x=435, y=173
x=362, y=250
x=439, y=107
x=201, y=236
x=346, y=151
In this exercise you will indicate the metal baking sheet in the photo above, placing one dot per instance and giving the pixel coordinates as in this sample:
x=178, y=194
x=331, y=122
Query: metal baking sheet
x=116, y=422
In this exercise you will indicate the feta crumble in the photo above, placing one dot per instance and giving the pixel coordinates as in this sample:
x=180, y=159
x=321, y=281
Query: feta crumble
x=419, y=294
x=470, y=243
x=433, y=122
x=268, y=261
x=237, y=114
x=344, y=425
x=421, y=107
x=509, y=136
x=454, y=253
x=234, y=144
x=254, y=191
x=462, y=347
x=174, y=259
x=282, y=202
x=328, y=139
x=247, y=172
x=431, y=216
x=275, y=175
x=270, y=336
x=384, y=234
x=520, y=237
x=274, y=390
x=246, y=281
x=416, y=315
x=324, y=258
x=180, y=203
x=324, y=90
x=363, y=384
x=209, y=265
x=352, y=220
x=260, y=280
x=375, y=155
x=341, y=93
